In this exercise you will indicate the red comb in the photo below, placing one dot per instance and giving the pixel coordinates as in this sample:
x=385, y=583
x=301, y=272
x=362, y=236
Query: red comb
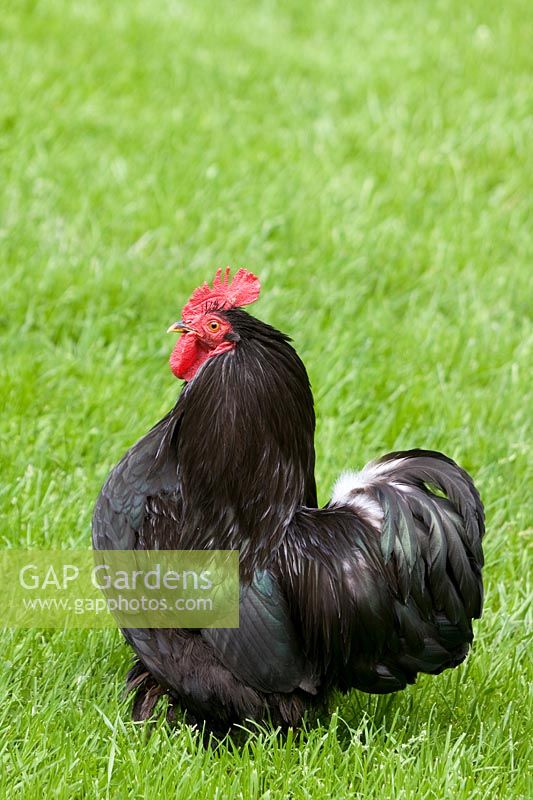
x=242, y=290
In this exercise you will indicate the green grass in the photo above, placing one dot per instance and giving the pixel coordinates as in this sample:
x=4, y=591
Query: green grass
x=371, y=163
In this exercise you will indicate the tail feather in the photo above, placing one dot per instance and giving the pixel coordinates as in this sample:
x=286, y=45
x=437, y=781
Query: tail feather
x=429, y=519
x=405, y=485
x=428, y=469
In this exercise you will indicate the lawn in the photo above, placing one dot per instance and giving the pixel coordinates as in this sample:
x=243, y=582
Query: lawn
x=372, y=163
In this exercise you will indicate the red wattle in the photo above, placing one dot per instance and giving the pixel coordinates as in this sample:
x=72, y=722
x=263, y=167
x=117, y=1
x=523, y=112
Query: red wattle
x=187, y=356
x=190, y=353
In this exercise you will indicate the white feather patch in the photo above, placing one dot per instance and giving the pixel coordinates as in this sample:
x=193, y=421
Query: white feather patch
x=347, y=482
x=348, y=490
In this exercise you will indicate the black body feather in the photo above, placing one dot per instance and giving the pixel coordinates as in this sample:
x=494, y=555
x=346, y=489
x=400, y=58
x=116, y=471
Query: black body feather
x=379, y=585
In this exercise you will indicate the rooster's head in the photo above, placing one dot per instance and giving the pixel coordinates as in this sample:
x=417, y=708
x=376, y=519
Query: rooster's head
x=206, y=330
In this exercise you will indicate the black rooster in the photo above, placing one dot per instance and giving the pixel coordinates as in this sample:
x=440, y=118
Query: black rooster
x=380, y=584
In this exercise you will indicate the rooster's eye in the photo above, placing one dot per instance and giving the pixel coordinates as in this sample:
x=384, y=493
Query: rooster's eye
x=213, y=325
